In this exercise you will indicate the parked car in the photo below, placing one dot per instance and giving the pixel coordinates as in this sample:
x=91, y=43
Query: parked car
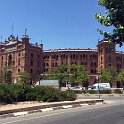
x=78, y=88
x=100, y=86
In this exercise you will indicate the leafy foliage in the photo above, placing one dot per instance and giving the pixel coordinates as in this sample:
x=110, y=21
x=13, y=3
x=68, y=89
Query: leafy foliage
x=10, y=93
x=69, y=73
x=114, y=17
x=23, y=78
x=92, y=91
x=120, y=76
x=58, y=73
x=78, y=74
x=108, y=75
x=118, y=91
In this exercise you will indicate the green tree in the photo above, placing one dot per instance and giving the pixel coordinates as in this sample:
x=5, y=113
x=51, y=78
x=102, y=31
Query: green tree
x=23, y=78
x=69, y=74
x=108, y=75
x=120, y=77
x=105, y=75
x=78, y=74
x=113, y=17
x=58, y=73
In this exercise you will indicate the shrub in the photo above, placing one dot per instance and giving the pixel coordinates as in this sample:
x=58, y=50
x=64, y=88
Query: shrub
x=69, y=95
x=105, y=91
x=18, y=92
x=92, y=91
x=31, y=96
x=6, y=94
x=77, y=92
x=43, y=93
x=118, y=91
x=10, y=93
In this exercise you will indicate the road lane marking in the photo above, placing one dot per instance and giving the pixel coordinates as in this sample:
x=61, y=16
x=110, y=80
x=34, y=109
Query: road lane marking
x=84, y=104
x=47, y=109
x=67, y=106
x=20, y=113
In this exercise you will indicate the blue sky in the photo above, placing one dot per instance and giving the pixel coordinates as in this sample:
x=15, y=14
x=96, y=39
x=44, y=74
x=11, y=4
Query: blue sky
x=58, y=23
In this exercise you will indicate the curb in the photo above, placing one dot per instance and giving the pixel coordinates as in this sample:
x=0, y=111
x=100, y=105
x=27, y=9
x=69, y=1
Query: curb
x=49, y=107
x=95, y=95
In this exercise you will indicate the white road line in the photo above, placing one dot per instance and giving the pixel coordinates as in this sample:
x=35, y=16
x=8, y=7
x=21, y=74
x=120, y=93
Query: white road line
x=46, y=109
x=84, y=104
x=99, y=103
x=67, y=106
x=20, y=113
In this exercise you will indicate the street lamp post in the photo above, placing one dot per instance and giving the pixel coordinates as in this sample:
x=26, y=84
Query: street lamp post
x=68, y=85
x=98, y=79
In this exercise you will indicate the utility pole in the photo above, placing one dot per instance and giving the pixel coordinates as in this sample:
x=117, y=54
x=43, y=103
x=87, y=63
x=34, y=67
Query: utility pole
x=98, y=79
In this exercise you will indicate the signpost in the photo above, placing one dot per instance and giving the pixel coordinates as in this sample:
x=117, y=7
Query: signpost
x=50, y=83
x=98, y=79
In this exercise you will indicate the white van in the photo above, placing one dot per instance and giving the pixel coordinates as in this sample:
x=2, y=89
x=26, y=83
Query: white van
x=100, y=86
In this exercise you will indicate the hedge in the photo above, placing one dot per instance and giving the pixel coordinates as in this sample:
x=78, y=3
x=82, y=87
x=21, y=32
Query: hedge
x=118, y=91
x=11, y=93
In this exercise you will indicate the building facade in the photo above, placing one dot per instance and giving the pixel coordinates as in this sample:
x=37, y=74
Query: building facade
x=86, y=57
x=17, y=56
x=20, y=55
x=103, y=57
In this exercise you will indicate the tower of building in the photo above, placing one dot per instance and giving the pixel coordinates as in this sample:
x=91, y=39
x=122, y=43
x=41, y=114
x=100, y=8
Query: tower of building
x=106, y=54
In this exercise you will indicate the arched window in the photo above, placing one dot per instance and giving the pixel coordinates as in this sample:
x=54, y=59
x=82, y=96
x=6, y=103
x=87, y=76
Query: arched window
x=31, y=71
x=32, y=55
x=18, y=70
x=91, y=64
x=91, y=71
x=73, y=56
x=10, y=60
x=83, y=55
x=2, y=57
x=19, y=54
x=19, y=61
x=6, y=63
x=44, y=64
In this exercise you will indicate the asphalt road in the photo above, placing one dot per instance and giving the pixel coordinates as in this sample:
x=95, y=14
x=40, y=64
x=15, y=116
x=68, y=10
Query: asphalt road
x=94, y=114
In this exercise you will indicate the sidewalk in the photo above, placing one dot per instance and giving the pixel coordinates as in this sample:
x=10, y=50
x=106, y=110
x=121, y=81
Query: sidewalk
x=22, y=108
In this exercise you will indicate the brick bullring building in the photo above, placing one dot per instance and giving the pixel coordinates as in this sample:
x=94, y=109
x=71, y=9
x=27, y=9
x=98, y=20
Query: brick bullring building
x=17, y=56
x=20, y=55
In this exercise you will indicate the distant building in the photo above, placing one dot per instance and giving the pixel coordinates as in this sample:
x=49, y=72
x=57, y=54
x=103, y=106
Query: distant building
x=104, y=56
x=20, y=55
x=86, y=57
